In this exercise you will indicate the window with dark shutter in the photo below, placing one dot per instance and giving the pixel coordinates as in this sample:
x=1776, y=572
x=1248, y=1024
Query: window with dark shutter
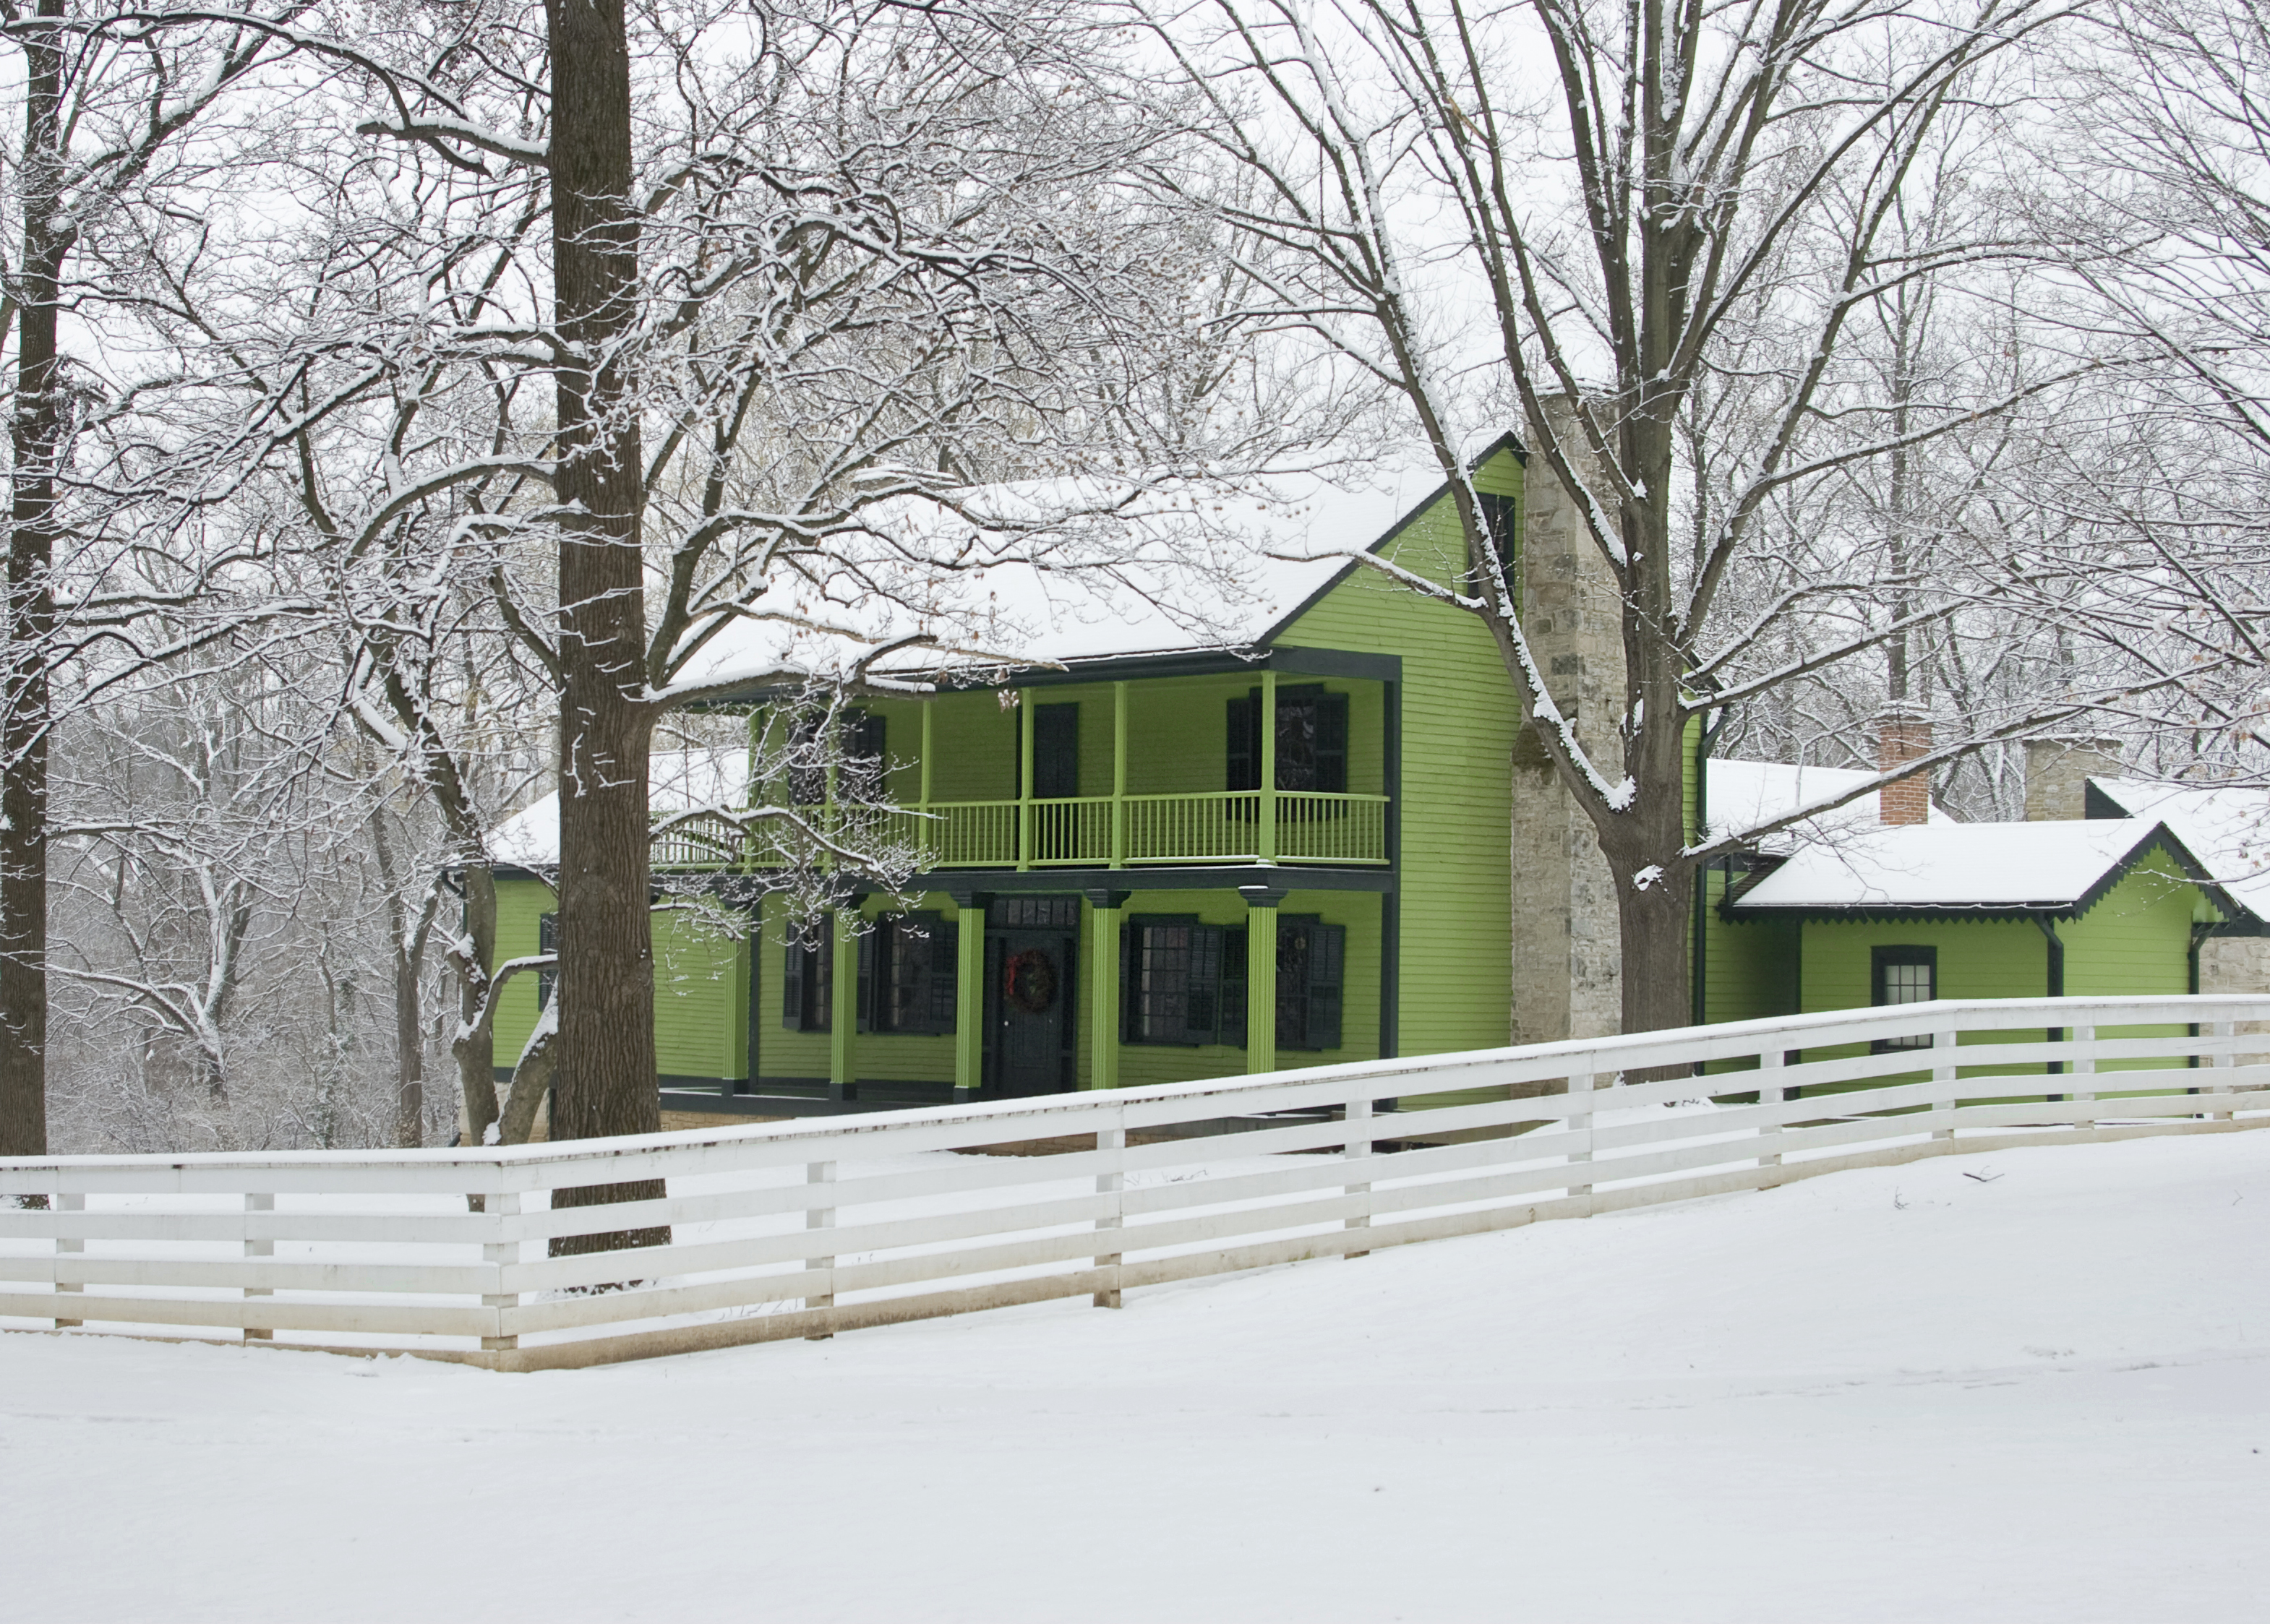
x=915, y=975
x=547, y=940
x=1056, y=752
x=1173, y=992
x=1312, y=740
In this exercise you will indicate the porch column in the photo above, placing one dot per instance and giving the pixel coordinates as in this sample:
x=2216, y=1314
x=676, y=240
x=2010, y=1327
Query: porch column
x=1266, y=823
x=969, y=994
x=1261, y=975
x=1023, y=780
x=843, y=1005
x=1103, y=988
x=1118, y=775
x=925, y=839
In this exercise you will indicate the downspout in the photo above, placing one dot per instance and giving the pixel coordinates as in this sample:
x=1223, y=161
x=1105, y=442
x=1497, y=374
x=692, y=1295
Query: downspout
x=2056, y=987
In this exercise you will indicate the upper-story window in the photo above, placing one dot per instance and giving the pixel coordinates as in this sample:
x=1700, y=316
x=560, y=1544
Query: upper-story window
x=859, y=775
x=1312, y=740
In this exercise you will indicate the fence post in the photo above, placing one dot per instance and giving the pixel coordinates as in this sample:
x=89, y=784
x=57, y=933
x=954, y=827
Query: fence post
x=499, y=1255
x=821, y=1218
x=1357, y=1150
x=2084, y=1065
x=1942, y=1071
x=259, y=1249
x=1581, y=1083
x=2226, y=1033
x=1770, y=1094
x=64, y=1247
x=1111, y=1183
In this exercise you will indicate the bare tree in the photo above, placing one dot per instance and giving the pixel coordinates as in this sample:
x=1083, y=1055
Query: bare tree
x=1644, y=208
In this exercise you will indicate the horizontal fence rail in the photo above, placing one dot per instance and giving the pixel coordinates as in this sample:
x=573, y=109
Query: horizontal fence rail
x=808, y=1228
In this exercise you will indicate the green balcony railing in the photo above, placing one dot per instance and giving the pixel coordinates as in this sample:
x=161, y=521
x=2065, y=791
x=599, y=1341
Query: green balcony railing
x=1223, y=825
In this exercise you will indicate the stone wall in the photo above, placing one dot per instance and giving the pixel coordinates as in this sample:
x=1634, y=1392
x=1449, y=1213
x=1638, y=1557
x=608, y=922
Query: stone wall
x=1566, y=950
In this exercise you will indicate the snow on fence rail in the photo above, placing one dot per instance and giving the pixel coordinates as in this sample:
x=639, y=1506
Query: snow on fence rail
x=808, y=1228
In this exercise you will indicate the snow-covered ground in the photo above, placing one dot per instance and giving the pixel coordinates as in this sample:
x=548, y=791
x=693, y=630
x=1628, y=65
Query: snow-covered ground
x=2038, y=1392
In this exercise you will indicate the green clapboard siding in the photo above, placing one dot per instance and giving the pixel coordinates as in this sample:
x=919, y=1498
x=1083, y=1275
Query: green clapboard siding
x=700, y=1008
x=1460, y=717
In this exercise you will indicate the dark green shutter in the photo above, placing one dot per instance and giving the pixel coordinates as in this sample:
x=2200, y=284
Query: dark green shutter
x=1332, y=743
x=1245, y=734
x=945, y=978
x=1233, y=987
x=874, y=975
x=1131, y=1018
x=792, y=970
x=1327, y=969
x=1056, y=752
x=1202, y=995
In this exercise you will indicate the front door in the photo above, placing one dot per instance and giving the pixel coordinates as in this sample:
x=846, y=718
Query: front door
x=1031, y=975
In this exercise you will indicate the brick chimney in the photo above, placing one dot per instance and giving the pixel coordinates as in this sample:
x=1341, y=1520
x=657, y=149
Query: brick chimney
x=1903, y=735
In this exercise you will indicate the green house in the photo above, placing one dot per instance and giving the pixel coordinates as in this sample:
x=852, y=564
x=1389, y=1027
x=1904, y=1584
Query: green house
x=1174, y=847
x=1856, y=913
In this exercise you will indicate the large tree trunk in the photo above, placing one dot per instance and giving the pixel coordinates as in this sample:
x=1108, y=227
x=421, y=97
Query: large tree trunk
x=35, y=439
x=607, y=1082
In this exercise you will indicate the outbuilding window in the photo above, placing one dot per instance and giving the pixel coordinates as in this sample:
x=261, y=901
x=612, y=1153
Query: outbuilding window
x=1903, y=975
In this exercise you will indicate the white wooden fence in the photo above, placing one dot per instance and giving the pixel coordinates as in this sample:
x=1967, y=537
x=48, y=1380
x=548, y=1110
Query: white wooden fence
x=811, y=1227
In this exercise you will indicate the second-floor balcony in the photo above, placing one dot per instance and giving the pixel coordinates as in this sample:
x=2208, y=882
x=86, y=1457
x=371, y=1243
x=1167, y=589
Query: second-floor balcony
x=1227, y=826
x=1197, y=775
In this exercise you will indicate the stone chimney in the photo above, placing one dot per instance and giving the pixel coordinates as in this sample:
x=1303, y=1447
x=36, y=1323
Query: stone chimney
x=1903, y=735
x=2057, y=771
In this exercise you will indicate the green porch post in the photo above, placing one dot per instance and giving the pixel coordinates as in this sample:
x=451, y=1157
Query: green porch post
x=843, y=1005
x=969, y=994
x=1118, y=775
x=1103, y=988
x=924, y=840
x=1265, y=824
x=1261, y=975
x=1024, y=780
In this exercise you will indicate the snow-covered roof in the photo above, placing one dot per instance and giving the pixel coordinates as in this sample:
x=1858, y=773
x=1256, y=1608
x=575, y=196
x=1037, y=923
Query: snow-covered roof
x=679, y=781
x=2044, y=867
x=1062, y=572
x=2226, y=827
x=1741, y=795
